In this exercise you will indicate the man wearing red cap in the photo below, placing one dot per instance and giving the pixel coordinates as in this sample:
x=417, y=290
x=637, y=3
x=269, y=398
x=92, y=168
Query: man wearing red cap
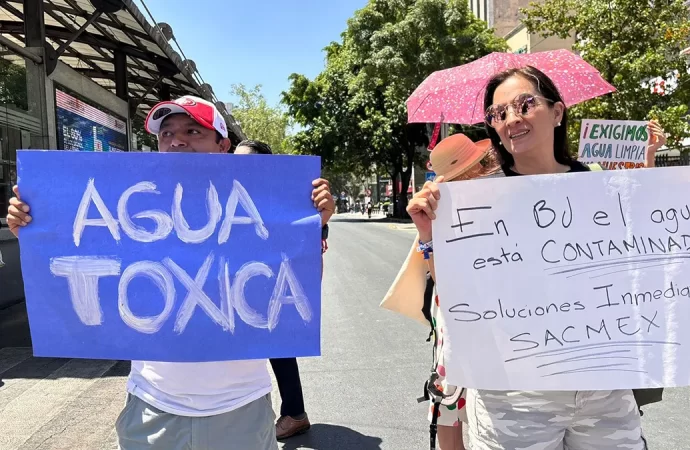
x=190, y=406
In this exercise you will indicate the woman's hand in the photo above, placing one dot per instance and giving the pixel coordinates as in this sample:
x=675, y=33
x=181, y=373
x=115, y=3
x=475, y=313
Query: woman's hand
x=657, y=139
x=422, y=208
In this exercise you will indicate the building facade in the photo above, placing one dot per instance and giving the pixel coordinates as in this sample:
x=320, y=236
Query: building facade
x=504, y=16
x=483, y=10
x=77, y=76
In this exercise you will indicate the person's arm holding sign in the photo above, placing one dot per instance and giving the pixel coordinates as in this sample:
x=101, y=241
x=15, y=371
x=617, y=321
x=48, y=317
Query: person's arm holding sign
x=323, y=200
x=657, y=139
x=17, y=213
x=421, y=210
x=325, y=205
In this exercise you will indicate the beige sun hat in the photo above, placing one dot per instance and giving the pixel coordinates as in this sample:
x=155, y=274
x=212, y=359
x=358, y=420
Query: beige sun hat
x=453, y=157
x=457, y=154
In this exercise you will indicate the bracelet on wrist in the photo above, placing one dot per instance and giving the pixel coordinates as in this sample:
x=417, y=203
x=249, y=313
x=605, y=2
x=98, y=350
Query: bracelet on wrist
x=427, y=248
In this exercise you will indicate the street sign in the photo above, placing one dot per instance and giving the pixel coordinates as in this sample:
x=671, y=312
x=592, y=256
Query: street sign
x=430, y=176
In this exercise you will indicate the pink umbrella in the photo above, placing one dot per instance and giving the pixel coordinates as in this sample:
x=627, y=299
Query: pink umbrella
x=457, y=95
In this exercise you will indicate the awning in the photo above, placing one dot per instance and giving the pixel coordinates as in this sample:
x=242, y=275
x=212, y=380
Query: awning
x=153, y=66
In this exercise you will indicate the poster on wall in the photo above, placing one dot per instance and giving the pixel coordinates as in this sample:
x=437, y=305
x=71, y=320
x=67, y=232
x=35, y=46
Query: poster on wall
x=82, y=127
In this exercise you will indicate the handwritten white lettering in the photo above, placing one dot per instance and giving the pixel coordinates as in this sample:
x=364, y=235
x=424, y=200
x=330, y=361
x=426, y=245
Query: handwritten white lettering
x=287, y=279
x=214, y=209
x=83, y=273
x=240, y=195
x=81, y=219
x=196, y=295
x=164, y=223
x=157, y=273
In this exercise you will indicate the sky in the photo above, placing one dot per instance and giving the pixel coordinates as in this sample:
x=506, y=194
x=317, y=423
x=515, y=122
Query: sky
x=254, y=41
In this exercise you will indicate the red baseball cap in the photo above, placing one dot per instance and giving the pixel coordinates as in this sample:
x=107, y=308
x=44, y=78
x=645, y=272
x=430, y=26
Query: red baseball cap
x=202, y=111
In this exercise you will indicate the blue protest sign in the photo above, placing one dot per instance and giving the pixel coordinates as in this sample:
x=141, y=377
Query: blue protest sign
x=171, y=257
x=429, y=176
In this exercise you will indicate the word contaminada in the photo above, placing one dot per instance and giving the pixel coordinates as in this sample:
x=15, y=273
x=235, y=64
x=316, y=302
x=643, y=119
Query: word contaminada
x=83, y=272
x=554, y=253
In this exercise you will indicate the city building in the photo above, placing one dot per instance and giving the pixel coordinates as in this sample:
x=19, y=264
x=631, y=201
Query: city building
x=504, y=17
x=483, y=9
x=519, y=40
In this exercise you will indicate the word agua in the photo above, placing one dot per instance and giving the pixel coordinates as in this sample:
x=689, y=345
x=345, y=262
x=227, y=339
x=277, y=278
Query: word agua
x=83, y=272
x=605, y=150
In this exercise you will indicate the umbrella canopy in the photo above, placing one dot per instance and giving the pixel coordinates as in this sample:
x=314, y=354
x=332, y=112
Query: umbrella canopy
x=457, y=95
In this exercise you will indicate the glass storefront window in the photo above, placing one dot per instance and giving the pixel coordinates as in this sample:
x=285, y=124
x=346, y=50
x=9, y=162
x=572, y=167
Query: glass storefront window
x=15, y=124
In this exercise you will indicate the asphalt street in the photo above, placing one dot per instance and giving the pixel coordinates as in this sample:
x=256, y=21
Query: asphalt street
x=360, y=394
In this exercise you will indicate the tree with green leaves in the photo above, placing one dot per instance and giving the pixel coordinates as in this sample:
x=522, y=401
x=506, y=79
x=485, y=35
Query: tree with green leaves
x=259, y=120
x=636, y=46
x=13, y=84
x=143, y=136
x=353, y=113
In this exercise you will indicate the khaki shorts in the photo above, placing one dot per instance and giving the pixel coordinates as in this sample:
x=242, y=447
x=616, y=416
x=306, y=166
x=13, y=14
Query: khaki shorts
x=140, y=426
x=553, y=420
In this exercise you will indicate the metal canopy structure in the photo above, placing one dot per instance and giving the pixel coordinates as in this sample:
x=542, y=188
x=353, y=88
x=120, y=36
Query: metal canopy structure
x=112, y=43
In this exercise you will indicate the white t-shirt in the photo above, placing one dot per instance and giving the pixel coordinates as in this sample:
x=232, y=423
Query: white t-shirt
x=199, y=389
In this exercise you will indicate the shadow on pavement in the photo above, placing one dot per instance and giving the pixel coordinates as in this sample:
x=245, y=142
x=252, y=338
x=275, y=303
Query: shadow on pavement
x=15, y=345
x=14, y=326
x=327, y=437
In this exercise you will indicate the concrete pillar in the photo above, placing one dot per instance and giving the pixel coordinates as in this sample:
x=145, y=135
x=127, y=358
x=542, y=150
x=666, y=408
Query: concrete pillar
x=34, y=32
x=164, y=92
x=121, y=84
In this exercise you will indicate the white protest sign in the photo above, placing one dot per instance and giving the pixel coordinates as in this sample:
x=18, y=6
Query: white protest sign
x=615, y=144
x=575, y=281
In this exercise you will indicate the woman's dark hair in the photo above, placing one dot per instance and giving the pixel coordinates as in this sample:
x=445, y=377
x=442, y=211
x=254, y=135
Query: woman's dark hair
x=545, y=87
x=258, y=147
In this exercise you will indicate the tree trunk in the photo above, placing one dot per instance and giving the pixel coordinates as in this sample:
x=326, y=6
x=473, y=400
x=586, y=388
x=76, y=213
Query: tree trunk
x=394, y=188
x=405, y=181
x=405, y=177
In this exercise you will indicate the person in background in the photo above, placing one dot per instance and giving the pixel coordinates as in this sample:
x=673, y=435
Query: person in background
x=194, y=406
x=527, y=122
x=413, y=293
x=293, y=418
x=252, y=147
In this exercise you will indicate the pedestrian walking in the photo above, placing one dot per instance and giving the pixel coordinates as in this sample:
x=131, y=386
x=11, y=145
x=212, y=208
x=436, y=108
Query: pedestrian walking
x=527, y=121
x=194, y=406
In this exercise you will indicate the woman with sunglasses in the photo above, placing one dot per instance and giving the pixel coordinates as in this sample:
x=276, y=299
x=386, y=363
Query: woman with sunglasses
x=527, y=123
